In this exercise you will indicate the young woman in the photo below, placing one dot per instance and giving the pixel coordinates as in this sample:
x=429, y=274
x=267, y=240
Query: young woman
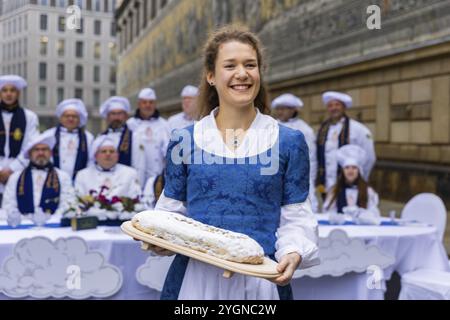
x=239, y=170
x=351, y=188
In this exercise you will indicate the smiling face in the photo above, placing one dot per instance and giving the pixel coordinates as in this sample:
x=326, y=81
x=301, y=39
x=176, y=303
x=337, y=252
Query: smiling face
x=146, y=108
x=236, y=75
x=40, y=154
x=107, y=157
x=70, y=119
x=9, y=94
x=336, y=110
x=351, y=173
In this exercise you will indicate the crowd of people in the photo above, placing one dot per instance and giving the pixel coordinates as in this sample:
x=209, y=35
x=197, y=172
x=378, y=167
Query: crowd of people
x=134, y=158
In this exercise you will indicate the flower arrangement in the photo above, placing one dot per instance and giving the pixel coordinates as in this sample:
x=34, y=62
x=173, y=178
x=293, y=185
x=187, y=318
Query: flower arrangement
x=104, y=207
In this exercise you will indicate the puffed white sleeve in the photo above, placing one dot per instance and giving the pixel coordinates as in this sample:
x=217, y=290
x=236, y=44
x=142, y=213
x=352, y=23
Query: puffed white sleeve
x=171, y=205
x=298, y=232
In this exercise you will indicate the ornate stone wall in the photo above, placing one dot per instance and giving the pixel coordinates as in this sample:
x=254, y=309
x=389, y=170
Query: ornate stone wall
x=399, y=76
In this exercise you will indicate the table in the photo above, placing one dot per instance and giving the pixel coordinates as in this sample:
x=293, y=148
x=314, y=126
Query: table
x=412, y=247
x=117, y=248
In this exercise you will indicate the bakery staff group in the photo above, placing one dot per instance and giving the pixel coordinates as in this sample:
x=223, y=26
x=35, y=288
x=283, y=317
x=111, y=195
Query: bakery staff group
x=48, y=169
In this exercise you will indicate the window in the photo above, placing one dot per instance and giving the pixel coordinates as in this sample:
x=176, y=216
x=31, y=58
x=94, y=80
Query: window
x=60, y=47
x=60, y=71
x=112, y=74
x=96, y=98
x=81, y=29
x=112, y=51
x=62, y=3
x=42, y=71
x=79, y=73
x=79, y=93
x=61, y=24
x=60, y=94
x=113, y=29
x=153, y=15
x=97, y=27
x=96, y=73
x=43, y=46
x=97, y=5
x=97, y=50
x=43, y=22
x=79, y=49
x=42, y=96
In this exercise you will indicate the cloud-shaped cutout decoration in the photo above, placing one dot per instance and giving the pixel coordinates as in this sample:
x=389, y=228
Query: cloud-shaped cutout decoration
x=41, y=268
x=339, y=255
x=154, y=271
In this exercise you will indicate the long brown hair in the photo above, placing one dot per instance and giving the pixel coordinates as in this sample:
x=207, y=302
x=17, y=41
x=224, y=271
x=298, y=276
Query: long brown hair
x=208, y=98
x=361, y=184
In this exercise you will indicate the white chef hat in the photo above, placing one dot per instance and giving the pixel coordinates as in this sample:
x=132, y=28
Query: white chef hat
x=334, y=95
x=351, y=155
x=48, y=138
x=287, y=100
x=114, y=103
x=76, y=105
x=147, y=94
x=101, y=141
x=189, y=91
x=14, y=80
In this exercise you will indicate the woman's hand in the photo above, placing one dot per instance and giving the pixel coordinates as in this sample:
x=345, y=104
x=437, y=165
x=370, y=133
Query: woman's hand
x=287, y=266
x=158, y=250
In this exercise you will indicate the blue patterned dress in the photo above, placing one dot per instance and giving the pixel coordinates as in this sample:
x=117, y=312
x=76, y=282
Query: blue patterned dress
x=235, y=194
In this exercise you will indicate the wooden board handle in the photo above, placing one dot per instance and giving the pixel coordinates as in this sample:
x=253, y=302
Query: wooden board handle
x=228, y=274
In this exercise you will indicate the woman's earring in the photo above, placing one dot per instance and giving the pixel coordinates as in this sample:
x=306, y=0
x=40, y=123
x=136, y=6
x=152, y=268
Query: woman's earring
x=211, y=83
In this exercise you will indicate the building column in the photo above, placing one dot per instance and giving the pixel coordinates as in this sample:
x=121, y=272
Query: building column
x=440, y=109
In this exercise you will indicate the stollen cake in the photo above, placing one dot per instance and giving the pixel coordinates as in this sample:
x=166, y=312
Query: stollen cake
x=187, y=232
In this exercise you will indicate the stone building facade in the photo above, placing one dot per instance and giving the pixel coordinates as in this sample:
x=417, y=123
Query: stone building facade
x=398, y=76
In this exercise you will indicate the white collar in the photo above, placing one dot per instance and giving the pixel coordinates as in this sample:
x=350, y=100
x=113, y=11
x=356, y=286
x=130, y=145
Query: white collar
x=64, y=129
x=99, y=168
x=260, y=137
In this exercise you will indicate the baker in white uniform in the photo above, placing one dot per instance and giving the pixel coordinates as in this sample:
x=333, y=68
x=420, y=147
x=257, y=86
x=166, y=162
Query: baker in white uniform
x=17, y=127
x=286, y=109
x=130, y=144
x=351, y=189
x=153, y=131
x=186, y=118
x=337, y=131
x=40, y=184
x=119, y=180
x=71, y=151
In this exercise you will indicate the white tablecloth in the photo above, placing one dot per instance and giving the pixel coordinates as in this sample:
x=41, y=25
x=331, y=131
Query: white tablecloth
x=117, y=248
x=412, y=247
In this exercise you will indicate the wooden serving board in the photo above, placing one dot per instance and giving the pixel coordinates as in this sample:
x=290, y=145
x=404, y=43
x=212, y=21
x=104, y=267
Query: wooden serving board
x=266, y=270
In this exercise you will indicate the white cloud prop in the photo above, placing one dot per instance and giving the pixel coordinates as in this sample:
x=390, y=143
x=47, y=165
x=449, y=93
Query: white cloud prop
x=41, y=268
x=154, y=271
x=339, y=255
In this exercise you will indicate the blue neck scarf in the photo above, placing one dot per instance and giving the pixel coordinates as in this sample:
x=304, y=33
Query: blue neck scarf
x=82, y=152
x=50, y=193
x=16, y=130
x=125, y=145
x=344, y=139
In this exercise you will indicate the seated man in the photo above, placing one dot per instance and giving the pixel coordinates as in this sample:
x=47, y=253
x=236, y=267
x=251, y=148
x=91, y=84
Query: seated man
x=106, y=173
x=40, y=184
